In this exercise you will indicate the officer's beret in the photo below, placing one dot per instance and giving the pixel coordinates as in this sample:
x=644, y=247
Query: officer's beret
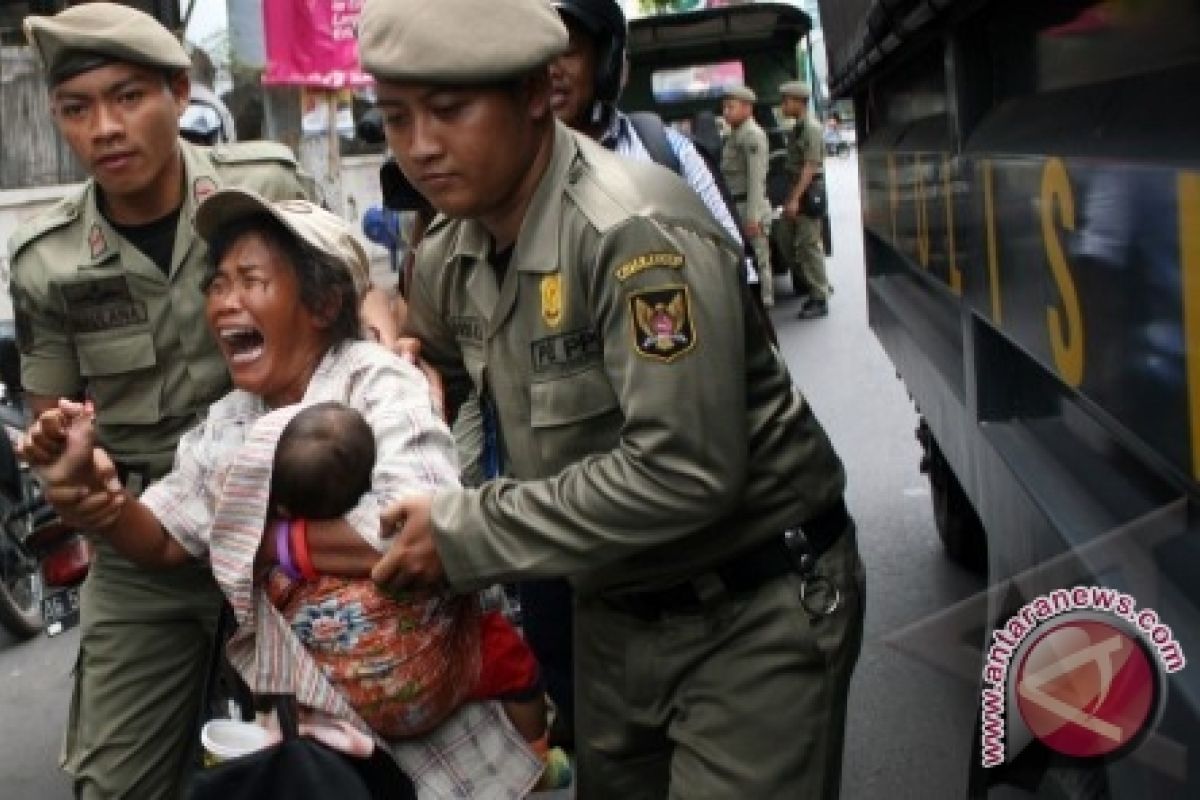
x=795, y=89
x=316, y=228
x=457, y=42
x=741, y=93
x=91, y=35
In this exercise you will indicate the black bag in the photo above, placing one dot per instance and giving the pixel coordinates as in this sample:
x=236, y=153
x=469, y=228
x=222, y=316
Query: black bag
x=814, y=203
x=300, y=768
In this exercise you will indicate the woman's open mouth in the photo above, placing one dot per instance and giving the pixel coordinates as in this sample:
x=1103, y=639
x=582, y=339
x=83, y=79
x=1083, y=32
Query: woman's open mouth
x=242, y=345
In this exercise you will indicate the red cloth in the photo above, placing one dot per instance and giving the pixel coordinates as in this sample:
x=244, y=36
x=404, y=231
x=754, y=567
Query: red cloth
x=509, y=670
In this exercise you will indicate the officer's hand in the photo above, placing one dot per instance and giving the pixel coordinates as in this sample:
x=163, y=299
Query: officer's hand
x=791, y=209
x=94, y=506
x=753, y=229
x=409, y=348
x=413, y=559
x=46, y=438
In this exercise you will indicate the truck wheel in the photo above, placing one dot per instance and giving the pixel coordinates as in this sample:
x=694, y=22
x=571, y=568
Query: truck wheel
x=958, y=526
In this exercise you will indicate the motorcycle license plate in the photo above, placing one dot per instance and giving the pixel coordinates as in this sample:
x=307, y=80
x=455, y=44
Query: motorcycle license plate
x=60, y=610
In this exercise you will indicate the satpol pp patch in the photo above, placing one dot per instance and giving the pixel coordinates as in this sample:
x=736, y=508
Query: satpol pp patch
x=662, y=323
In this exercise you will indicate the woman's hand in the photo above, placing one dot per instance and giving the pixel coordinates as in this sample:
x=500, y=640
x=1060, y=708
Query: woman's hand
x=413, y=559
x=80, y=479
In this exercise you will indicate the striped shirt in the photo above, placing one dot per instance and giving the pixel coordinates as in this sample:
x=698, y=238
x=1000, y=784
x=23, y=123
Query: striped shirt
x=216, y=501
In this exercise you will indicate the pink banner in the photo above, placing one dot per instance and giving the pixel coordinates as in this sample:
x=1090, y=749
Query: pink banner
x=312, y=43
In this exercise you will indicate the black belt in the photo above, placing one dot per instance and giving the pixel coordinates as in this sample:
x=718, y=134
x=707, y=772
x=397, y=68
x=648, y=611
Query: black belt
x=739, y=198
x=741, y=573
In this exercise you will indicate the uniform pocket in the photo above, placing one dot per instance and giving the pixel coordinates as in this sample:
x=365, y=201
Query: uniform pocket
x=120, y=375
x=574, y=416
x=571, y=399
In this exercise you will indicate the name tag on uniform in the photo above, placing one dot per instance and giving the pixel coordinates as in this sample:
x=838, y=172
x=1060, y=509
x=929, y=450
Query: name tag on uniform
x=101, y=304
x=565, y=350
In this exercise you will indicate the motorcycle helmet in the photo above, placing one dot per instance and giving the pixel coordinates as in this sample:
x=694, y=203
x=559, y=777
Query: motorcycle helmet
x=605, y=23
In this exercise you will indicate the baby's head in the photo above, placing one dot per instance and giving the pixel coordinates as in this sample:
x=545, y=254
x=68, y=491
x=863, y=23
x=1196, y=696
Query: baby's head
x=323, y=462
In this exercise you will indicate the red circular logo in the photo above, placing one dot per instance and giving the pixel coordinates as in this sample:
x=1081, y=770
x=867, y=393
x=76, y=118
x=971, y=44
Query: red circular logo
x=1086, y=688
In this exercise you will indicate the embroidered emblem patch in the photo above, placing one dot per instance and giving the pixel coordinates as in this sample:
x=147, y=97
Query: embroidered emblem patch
x=202, y=187
x=97, y=244
x=662, y=323
x=648, y=261
x=552, y=311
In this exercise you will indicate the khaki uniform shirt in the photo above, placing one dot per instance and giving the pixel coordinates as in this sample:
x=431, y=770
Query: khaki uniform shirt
x=744, y=159
x=95, y=314
x=645, y=436
x=805, y=144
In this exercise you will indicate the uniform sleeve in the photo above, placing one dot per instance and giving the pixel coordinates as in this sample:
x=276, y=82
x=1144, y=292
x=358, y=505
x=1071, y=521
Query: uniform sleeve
x=49, y=365
x=414, y=451
x=674, y=358
x=695, y=170
x=182, y=500
x=757, y=156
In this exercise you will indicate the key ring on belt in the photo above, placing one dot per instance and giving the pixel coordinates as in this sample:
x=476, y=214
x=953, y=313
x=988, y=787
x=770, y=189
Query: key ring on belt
x=819, y=596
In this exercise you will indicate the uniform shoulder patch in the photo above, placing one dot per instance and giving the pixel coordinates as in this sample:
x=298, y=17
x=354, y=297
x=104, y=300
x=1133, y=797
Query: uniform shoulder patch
x=648, y=261
x=248, y=152
x=62, y=213
x=662, y=323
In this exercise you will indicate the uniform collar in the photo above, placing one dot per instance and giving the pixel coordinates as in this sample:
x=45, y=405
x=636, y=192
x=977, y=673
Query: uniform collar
x=101, y=242
x=536, y=248
x=538, y=241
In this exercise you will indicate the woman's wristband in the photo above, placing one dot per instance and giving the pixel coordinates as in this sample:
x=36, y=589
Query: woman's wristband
x=283, y=555
x=300, y=550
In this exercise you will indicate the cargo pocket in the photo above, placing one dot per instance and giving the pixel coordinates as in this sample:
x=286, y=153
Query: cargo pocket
x=120, y=375
x=574, y=416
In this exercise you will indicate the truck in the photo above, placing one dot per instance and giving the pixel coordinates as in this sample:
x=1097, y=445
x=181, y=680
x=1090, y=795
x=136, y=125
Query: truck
x=1030, y=190
x=681, y=63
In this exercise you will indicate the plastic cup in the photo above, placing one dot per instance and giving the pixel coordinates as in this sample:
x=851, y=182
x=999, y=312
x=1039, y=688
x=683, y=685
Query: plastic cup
x=224, y=739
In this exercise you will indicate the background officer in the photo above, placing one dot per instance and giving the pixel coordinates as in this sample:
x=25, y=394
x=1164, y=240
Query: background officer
x=744, y=158
x=106, y=292
x=655, y=449
x=805, y=169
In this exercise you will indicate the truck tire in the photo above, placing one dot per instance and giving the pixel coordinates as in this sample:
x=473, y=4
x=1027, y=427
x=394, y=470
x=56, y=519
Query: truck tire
x=20, y=585
x=958, y=525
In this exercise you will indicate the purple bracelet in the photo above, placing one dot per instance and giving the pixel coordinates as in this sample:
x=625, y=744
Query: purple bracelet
x=283, y=552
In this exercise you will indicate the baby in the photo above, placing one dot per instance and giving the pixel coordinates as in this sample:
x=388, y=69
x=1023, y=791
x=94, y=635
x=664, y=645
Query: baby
x=374, y=645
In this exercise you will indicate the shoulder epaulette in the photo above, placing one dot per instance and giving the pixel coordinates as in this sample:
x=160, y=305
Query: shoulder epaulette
x=594, y=197
x=247, y=152
x=64, y=212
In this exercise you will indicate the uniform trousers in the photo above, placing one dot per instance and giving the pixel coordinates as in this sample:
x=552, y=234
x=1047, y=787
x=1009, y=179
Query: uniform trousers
x=144, y=654
x=808, y=257
x=762, y=252
x=745, y=699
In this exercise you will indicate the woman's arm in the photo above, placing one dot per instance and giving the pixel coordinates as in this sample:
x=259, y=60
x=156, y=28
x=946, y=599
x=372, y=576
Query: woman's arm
x=136, y=534
x=334, y=546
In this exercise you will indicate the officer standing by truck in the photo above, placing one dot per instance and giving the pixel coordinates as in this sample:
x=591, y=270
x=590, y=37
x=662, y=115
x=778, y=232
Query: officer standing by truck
x=655, y=449
x=744, y=160
x=801, y=213
x=106, y=293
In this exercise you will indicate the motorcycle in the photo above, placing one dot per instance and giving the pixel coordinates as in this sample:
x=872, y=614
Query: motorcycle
x=42, y=561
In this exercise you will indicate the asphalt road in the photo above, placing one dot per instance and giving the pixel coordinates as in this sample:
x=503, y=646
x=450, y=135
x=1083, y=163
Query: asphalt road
x=910, y=720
